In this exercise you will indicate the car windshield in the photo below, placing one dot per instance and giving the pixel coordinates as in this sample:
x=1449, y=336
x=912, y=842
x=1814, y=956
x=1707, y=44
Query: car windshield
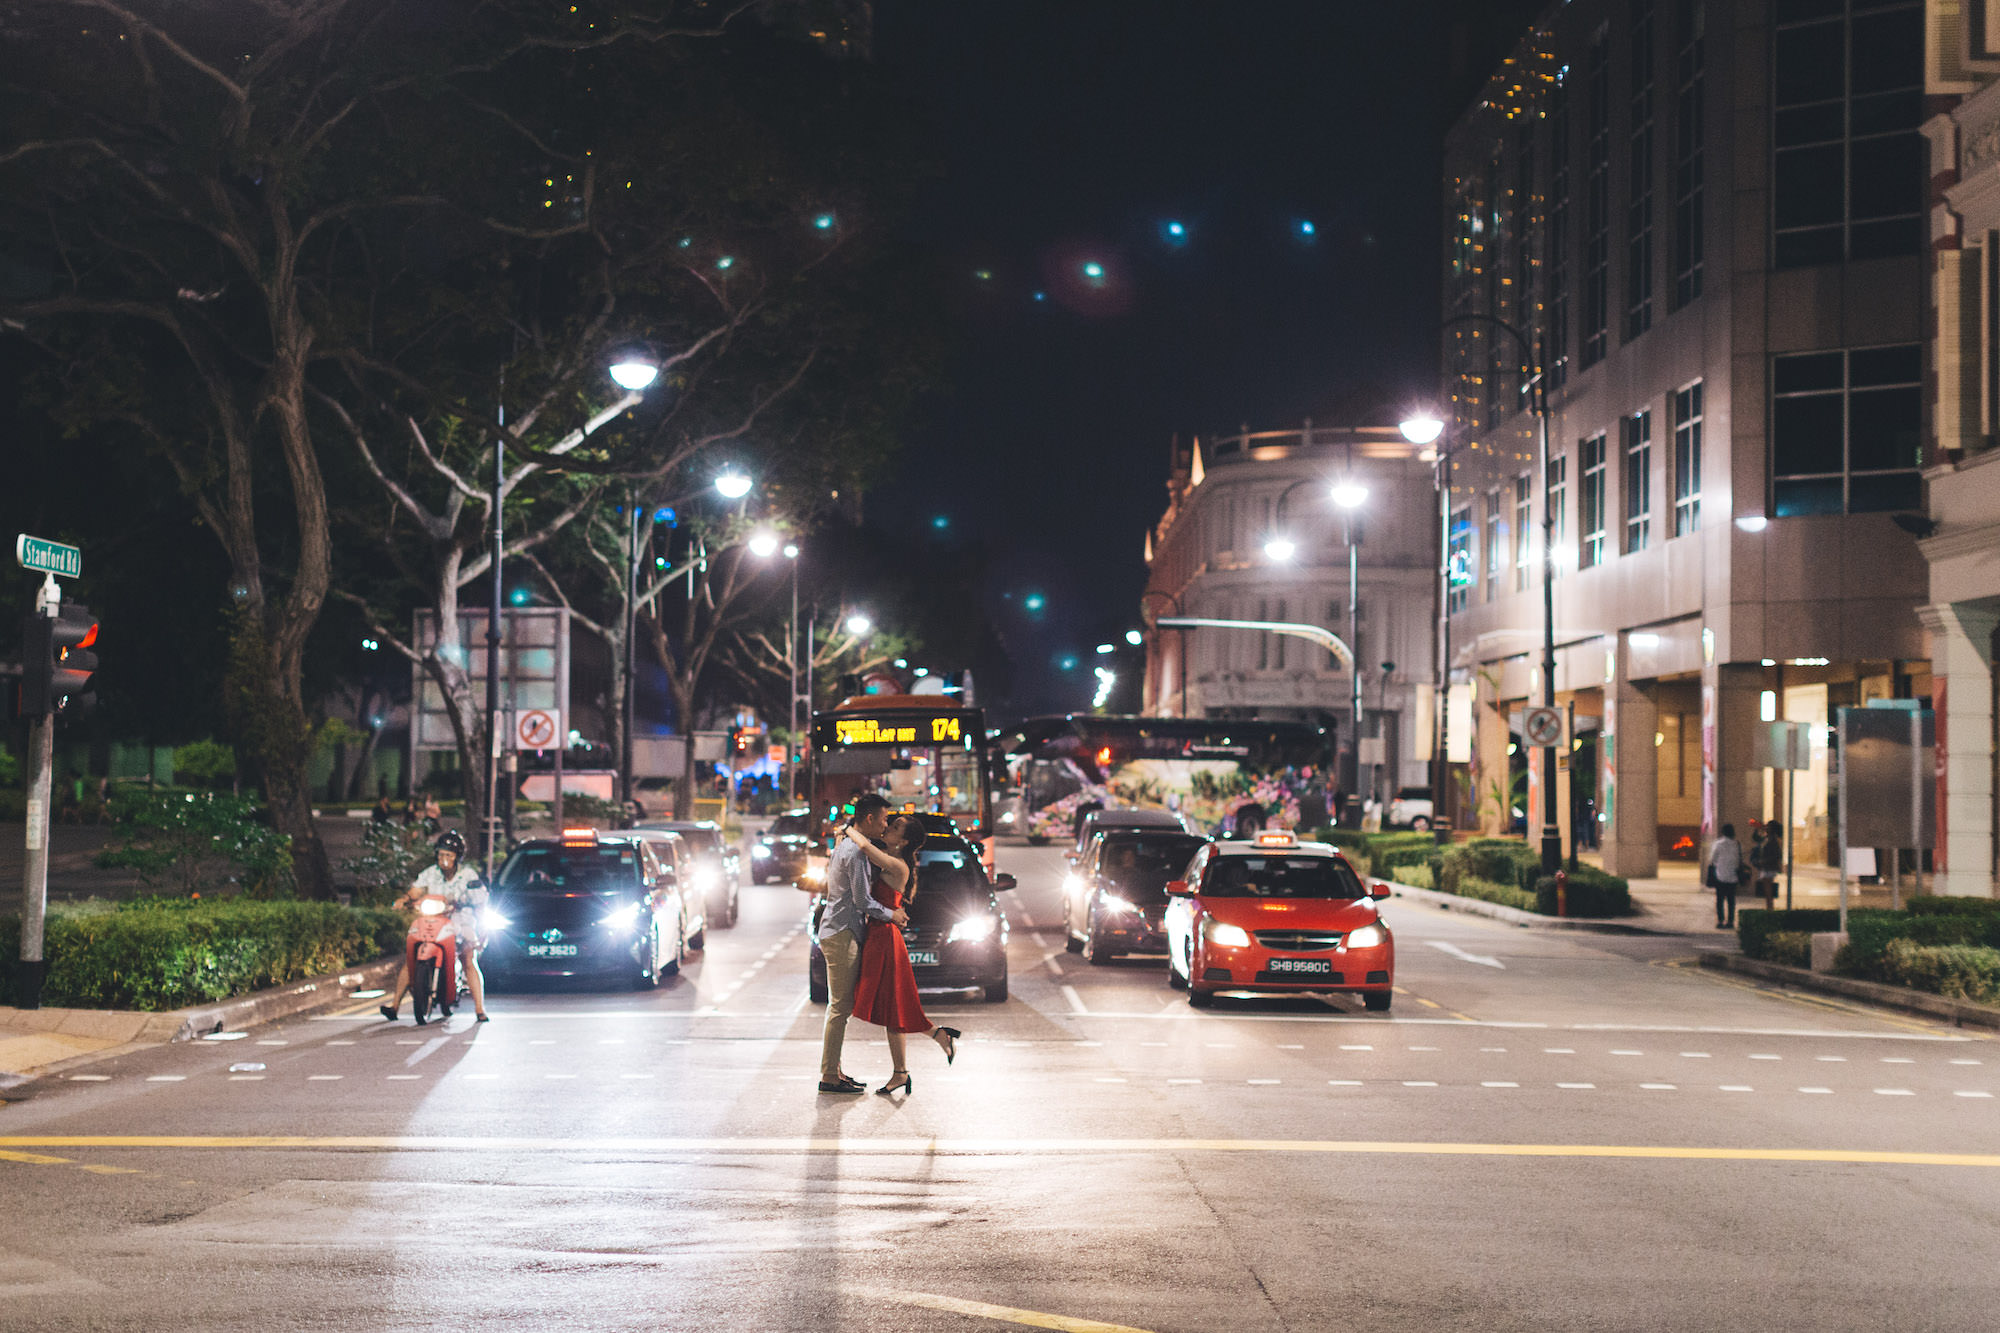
x=1280, y=877
x=701, y=839
x=605, y=868
x=1138, y=868
x=949, y=874
x=792, y=826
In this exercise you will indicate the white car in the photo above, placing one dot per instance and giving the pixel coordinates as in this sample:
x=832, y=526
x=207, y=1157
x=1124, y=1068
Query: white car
x=1410, y=808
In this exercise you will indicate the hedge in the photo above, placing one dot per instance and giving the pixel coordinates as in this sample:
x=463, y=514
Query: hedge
x=1959, y=971
x=155, y=954
x=1926, y=904
x=1590, y=892
x=1488, y=891
x=1755, y=926
x=1870, y=930
x=1385, y=851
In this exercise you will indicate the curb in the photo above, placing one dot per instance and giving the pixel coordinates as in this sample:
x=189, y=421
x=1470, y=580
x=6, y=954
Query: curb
x=140, y=1031
x=1960, y=1013
x=1451, y=902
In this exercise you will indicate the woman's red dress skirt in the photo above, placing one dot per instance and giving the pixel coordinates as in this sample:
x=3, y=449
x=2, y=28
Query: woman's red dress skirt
x=885, y=993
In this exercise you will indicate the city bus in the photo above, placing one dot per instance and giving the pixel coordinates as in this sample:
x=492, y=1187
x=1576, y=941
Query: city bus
x=920, y=751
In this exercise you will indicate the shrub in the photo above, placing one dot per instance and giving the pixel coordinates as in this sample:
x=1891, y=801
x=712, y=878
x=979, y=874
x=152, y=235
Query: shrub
x=390, y=860
x=1417, y=877
x=196, y=840
x=1488, y=891
x=1496, y=860
x=593, y=810
x=1590, y=892
x=1932, y=905
x=204, y=763
x=1793, y=948
x=156, y=954
x=1870, y=931
x=1959, y=971
x=1755, y=926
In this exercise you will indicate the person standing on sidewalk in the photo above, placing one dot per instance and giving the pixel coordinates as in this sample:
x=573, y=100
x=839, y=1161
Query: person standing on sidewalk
x=1725, y=868
x=1767, y=855
x=843, y=925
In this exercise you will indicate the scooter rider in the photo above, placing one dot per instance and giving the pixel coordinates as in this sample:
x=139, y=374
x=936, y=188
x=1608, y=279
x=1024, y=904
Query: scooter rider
x=460, y=885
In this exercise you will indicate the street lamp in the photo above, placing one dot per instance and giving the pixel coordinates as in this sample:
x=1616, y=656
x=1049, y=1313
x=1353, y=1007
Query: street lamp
x=634, y=374
x=763, y=544
x=858, y=625
x=1349, y=495
x=1280, y=549
x=733, y=483
x=1423, y=428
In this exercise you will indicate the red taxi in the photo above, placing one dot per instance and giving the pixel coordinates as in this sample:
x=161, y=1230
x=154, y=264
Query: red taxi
x=1275, y=915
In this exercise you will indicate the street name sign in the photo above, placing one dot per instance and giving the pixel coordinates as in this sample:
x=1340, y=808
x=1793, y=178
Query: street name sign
x=47, y=557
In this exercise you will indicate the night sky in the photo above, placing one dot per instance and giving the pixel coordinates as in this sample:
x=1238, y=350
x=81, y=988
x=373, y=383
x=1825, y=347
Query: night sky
x=1295, y=142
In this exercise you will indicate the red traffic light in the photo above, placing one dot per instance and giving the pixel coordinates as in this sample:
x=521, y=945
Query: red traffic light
x=55, y=658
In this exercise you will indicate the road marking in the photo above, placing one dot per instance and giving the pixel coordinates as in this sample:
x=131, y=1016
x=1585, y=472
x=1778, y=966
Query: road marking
x=1658, y=1087
x=1343, y=1083
x=1894, y=1092
x=403, y=1078
x=1695, y=1055
x=1818, y=1091
x=1499, y=1085
x=1428, y=1004
x=1767, y=1057
x=1283, y=1047
x=1484, y=960
x=1152, y=1043
x=1831, y=1059
x=166, y=1078
x=1493, y=1050
x=273, y=1043
x=114, y=1170
x=246, y=1078
x=1965, y=1062
x=611, y=1041
x=1897, y=1060
x=1418, y=1083
x=410, y=1041
x=1220, y=1045
x=1263, y=1082
x=1558, y=1050
x=427, y=1050
x=1182, y=1082
x=15, y=1147
x=1737, y=1087
x=1628, y=1052
x=322, y=1078
x=35, y=1159
x=1423, y=1048
x=1075, y=1000
x=340, y=1043
x=1972, y=1094
x=1357, y=1048
x=89, y=1078
x=1585, y=1087
x=1002, y=1313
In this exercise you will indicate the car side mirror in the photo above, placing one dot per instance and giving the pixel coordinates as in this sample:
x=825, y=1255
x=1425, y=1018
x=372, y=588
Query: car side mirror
x=1378, y=890
x=1003, y=882
x=1178, y=888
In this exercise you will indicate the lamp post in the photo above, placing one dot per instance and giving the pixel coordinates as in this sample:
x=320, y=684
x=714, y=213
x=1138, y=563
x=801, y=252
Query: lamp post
x=1180, y=640
x=792, y=699
x=1537, y=385
x=1420, y=429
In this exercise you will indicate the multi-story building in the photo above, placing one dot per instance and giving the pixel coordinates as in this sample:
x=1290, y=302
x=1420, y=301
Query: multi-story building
x=1962, y=89
x=1251, y=533
x=1707, y=219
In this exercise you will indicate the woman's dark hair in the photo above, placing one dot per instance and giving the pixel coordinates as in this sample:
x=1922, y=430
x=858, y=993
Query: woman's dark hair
x=909, y=852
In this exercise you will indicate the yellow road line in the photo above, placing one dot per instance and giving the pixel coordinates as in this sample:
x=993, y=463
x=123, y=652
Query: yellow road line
x=1004, y=1313
x=35, y=1158
x=976, y=1147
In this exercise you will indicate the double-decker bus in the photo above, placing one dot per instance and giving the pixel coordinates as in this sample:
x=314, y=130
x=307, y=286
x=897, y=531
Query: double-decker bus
x=920, y=751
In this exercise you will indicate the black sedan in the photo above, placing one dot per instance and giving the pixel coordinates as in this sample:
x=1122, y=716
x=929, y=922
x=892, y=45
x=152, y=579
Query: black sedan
x=957, y=934
x=1115, y=899
x=586, y=907
x=781, y=852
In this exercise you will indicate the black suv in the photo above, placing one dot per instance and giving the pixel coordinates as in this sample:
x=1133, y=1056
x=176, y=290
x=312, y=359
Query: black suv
x=781, y=851
x=585, y=907
x=957, y=934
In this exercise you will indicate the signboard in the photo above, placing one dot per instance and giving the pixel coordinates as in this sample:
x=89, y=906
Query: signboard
x=47, y=557
x=1542, y=727
x=1888, y=777
x=538, y=729
x=664, y=756
x=1782, y=745
x=534, y=669
x=901, y=726
x=775, y=754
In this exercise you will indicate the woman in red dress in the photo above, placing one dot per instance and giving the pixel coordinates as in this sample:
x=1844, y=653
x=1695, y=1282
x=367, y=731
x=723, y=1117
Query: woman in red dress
x=885, y=992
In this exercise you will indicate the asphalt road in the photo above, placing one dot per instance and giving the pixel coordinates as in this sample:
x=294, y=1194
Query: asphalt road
x=1547, y=1132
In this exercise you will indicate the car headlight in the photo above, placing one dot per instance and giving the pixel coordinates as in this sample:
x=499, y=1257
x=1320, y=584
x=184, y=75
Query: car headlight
x=704, y=877
x=491, y=920
x=1368, y=936
x=1114, y=904
x=1228, y=936
x=622, y=919
x=760, y=852
x=971, y=928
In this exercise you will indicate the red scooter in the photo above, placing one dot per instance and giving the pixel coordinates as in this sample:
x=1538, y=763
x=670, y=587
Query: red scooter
x=431, y=955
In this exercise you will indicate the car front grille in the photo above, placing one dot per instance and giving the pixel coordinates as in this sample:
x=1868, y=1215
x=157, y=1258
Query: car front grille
x=1299, y=941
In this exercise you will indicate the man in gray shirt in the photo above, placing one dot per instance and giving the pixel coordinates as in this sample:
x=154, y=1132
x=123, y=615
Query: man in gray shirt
x=842, y=925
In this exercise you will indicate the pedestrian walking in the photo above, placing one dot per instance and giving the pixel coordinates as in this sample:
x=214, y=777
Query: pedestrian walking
x=885, y=993
x=1725, y=869
x=843, y=922
x=1767, y=855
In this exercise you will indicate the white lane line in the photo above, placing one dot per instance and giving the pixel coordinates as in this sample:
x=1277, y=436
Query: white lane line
x=1055, y=968
x=1283, y=1047
x=1695, y=1055
x=1343, y=1083
x=1493, y=1050
x=1499, y=1085
x=410, y=1041
x=322, y=1078
x=1484, y=960
x=429, y=1049
x=1075, y=1000
x=1972, y=1094
x=270, y=1042
x=1737, y=1087
x=1831, y=1059
x=403, y=1078
x=1182, y=1082
x=1418, y=1083
x=1423, y=1048
x=89, y=1078
x=1897, y=1060
x=1658, y=1087
x=1767, y=1057
x=1628, y=1052
x=340, y=1043
x=246, y=1078
x=1263, y=1082
x=1357, y=1048
x=543, y=1041
x=1894, y=1092
x=167, y=1078
x=1577, y=1086
x=1558, y=1050
x=1965, y=1062
x=1824, y=1092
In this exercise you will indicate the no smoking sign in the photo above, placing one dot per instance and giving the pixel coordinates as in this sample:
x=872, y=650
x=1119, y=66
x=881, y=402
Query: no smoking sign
x=537, y=729
x=1543, y=727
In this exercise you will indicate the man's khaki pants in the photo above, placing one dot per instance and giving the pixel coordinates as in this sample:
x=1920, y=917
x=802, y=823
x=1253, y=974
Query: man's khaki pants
x=843, y=965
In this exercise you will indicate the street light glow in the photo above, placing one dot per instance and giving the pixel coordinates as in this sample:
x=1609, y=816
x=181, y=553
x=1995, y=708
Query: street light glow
x=733, y=484
x=1350, y=494
x=1104, y=648
x=1421, y=428
x=858, y=624
x=791, y=551
x=634, y=374
x=763, y=543
x=1280, y=549
x=1134, y=637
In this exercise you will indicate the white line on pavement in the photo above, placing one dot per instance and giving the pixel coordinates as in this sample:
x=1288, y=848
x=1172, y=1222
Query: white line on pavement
x=1484, y=960
x=1075, y=1000
x=1582, y=1086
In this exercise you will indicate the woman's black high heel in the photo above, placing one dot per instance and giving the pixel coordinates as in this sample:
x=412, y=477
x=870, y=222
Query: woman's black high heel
x=951, y=1049
x=908, y=1085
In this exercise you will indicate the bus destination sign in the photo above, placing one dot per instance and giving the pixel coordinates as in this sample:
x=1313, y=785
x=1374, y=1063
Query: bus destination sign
x=922, y=730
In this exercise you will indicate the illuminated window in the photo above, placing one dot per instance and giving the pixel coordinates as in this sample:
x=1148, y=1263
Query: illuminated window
x=1687, y=460
x=1590, y=517
x=1638, y=432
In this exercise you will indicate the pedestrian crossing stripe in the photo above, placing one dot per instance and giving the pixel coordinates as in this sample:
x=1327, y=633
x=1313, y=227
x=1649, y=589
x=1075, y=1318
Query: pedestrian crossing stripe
x=977, y=1147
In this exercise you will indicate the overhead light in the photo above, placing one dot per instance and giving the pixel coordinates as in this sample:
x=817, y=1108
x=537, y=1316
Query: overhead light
x=1104, y=648
x=858, y=624
x=1350, y=494
x=733, y=483
x=1134, y=637
x=1280, y=549
x=763, y=544
x=1422, y=428
x=1643, y=640
x=791, y=551
x=1753, y=523
x=634, y=374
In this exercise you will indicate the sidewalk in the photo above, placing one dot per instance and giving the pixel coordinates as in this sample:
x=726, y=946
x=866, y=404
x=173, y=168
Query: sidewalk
x=1675, y=901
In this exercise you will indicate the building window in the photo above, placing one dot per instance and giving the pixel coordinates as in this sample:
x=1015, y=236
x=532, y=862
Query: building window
x=1524, y=529
x=1525, y=239
x=1596, y=199
x=1638, y=432
x=1558, y=528
x=1458, y=560
x=1848, y=161
x=1845, y=431
x=1687, y=459
x=1690, y=132
x=1278, y=640
x=1557, y=370
x=1496, y=542
x=1590, y=514
x=1639, y=185
x=1263, y=637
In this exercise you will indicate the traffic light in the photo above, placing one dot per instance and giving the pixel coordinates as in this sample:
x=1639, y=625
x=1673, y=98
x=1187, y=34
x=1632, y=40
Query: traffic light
x=741, y=737
x=56, y=661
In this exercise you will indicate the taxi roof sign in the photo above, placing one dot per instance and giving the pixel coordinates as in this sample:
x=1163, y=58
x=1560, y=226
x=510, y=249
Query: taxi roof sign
x=1277, y=838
